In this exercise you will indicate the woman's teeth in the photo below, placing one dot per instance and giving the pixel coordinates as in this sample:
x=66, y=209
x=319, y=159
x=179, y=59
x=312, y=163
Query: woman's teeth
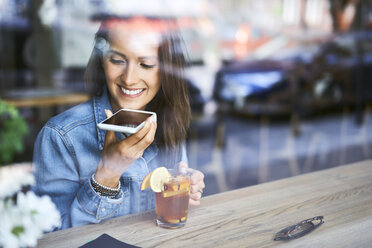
x=131, y=92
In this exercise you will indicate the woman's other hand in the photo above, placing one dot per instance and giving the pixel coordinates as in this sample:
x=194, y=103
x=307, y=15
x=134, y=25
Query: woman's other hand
x=197, y=184
x=117, y=156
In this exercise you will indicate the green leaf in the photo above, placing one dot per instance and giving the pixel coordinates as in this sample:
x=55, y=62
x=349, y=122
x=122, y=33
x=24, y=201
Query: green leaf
x=18, y=230
x=13, y=129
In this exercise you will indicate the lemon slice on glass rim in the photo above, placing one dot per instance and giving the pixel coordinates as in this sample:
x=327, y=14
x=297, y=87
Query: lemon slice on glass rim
x=146, y=181
x=155, y=179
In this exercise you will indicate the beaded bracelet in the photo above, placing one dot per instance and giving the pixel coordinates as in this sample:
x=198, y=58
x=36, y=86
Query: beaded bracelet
x=103, y=190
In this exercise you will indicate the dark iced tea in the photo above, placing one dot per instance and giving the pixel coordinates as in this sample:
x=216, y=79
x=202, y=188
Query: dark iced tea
x=172, y=203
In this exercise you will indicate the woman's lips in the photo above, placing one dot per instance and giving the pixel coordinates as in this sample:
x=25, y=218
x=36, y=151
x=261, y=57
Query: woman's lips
x=130, y=92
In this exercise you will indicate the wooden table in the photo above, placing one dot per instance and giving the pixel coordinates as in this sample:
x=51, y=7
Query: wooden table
x=249, y=217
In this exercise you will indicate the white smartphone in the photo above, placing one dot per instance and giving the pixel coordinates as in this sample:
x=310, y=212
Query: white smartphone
x=127, y=121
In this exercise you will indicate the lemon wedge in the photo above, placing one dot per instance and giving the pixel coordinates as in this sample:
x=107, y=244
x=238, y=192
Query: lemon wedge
x=157, y=178
x=146, y=181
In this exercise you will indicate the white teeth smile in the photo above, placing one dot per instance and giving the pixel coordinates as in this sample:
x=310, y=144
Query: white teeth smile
x=131, y=92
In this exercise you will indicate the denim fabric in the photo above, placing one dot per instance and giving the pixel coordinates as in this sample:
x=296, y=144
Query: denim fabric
x=66, y=154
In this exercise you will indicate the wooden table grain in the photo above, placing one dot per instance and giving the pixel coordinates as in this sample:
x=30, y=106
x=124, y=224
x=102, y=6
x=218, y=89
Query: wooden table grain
x=250, y=217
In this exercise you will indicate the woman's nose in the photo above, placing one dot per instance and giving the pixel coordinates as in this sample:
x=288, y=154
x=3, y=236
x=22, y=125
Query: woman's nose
x=130, y=74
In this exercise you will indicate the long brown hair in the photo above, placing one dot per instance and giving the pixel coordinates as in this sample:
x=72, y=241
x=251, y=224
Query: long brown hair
x=171, y=103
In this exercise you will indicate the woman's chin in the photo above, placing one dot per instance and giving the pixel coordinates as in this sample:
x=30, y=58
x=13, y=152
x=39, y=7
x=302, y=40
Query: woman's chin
x=131, y=106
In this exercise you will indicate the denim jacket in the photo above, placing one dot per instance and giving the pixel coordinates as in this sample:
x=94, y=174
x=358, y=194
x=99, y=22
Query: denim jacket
x=66, y=154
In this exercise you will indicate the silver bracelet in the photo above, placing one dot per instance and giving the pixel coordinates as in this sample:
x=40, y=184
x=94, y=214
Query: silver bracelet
x=105, y=188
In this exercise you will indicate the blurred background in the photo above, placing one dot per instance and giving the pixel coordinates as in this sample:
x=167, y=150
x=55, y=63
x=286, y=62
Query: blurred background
x=277, y=87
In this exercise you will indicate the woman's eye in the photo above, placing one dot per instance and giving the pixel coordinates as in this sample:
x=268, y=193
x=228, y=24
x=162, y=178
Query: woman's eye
x=147, y=66
x=117, y=61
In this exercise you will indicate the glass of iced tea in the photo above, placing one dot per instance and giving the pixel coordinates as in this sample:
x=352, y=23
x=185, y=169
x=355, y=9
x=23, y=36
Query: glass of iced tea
x=172, y=203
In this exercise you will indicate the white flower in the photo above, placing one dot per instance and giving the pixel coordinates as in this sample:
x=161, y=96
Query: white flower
x=7, y=238
x=42, y=210
x=22, y=222
x=17, y=229
x=13, y=178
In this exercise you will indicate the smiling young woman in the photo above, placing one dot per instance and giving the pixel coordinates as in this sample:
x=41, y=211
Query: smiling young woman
x=92, y=174
x=143, y=58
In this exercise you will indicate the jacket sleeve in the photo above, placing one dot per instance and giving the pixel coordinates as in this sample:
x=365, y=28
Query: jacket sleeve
x=57, y=175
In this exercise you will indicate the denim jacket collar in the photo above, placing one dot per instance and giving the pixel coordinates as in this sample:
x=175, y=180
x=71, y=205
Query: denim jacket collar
x=99, y=105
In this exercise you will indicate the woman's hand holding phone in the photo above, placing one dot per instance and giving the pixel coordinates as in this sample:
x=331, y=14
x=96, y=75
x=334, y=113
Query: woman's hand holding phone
x=117, y=155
